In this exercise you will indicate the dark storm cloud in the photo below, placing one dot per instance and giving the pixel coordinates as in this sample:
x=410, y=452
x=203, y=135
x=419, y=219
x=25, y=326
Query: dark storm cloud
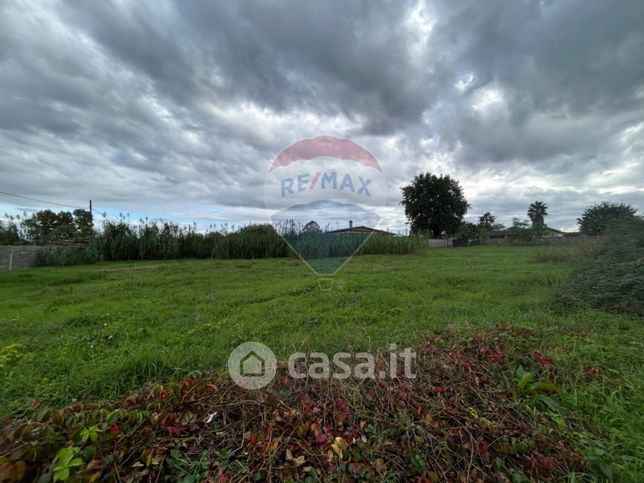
x=180, y=106
x=571, y=76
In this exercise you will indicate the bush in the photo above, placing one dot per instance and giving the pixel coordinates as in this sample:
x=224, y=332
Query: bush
x=611, y=277
x=558, y=254
x=393, y=245
x=162, y=241
x=10, y=234
x=598, y=219
x=251, y=244
x=64, y=256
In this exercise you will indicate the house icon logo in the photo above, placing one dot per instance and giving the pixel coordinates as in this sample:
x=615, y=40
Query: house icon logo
x=252, y=365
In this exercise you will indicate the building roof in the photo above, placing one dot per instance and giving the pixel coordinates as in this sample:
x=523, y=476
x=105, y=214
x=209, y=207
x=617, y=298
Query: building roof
x=361, y=229
x=505, y=232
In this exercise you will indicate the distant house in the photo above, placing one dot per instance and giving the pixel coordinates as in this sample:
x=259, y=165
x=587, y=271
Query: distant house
x=548, y=233
x=553, y=233
x=361, y=229
x=499, y=234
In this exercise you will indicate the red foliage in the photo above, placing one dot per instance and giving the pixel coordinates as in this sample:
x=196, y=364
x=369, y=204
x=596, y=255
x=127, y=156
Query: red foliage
x=298, y=428
x=496, y=357
x=542, y=359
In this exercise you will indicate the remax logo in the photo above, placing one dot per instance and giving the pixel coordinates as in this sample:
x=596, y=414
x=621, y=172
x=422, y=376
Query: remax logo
x=324, y=194
x=328, y=181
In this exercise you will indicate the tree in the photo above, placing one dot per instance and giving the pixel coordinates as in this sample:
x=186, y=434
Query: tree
x=311, y=227
x=84, y=224
x=537, y=212
x=48, y=227
x=41, y=226
x=260, y=228
x=598, y=218
x=519, y=231
x=486, y=221
x=434, y=204
x=9, y=234
x=470, y=231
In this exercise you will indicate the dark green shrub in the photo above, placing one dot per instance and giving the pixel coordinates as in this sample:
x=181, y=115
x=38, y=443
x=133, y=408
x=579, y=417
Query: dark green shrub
x=120, y=241
x=10, y=233
x=64, y=256
x=551, y=254
x=611, y=276
x=378, y=244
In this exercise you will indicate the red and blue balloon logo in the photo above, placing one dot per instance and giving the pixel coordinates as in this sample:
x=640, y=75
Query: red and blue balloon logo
x=324, y=195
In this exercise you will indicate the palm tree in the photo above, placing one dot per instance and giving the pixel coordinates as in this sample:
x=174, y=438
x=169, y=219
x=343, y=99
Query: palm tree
x=537, y=212
x=486, y=220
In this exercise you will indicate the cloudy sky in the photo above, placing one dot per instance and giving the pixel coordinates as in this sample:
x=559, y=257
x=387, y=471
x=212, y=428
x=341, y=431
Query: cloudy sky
x=175, y=109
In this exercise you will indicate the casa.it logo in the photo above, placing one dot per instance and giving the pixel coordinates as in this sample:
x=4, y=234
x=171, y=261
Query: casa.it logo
x=324, y=194
x=252, y=365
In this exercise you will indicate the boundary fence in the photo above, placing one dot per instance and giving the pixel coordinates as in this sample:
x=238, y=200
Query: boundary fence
x=18, y=257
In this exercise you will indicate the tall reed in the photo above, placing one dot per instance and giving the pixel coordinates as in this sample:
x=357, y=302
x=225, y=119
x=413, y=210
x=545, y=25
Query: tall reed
x=152, y=240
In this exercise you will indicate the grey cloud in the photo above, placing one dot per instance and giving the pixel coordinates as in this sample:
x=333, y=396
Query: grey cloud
x=154, y=103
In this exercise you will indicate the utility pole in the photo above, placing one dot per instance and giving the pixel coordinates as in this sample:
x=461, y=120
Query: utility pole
x=91, y=219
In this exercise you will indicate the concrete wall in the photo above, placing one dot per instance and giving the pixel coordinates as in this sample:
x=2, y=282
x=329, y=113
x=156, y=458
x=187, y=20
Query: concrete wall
x=439, y=243
x=18, y=257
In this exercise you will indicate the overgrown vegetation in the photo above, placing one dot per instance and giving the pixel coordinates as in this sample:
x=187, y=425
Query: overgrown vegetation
x=164, y=241
x=611, y=276
x=95, y=332
x=47, y=227
x=479, y=409
x=562, y=254
x=9, y=233
x=598, y=219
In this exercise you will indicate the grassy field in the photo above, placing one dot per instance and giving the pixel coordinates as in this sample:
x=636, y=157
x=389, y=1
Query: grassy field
x=98, y=331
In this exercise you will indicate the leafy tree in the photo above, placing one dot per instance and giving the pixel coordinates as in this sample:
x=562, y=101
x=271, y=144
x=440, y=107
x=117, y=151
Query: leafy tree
x=49, y=227
x=311, y=227
x=64, y=227
x=521, y=231
x=41, y=226
x=9, y=234
x=598, y=218
x=260, y=228
x=84, y=224
x=537, y=211
x=434, y=204
x=470, y=231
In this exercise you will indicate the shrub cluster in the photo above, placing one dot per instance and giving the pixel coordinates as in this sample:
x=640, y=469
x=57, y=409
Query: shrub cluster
x=65, y=256
x=558, y=254
x=612, y=275
x=120, y=241
x=393, y=245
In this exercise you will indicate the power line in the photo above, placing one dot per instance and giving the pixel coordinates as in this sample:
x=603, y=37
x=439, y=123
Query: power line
x=40, y=201
x=94, y=209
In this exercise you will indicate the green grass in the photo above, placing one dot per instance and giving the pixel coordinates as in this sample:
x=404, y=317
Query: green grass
x=98, y=331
